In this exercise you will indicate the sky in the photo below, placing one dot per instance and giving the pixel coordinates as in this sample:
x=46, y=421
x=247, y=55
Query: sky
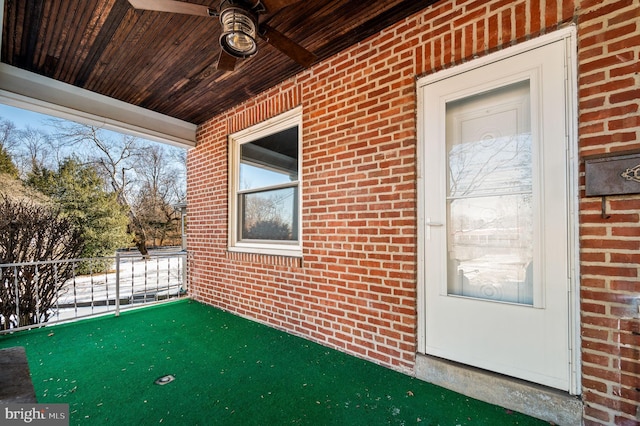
x=22, y=118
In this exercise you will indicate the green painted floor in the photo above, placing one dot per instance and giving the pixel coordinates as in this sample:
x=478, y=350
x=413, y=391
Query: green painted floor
x=228, y=371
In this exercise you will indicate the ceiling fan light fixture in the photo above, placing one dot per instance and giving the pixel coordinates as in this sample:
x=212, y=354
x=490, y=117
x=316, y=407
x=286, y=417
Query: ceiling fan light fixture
x=238, y=32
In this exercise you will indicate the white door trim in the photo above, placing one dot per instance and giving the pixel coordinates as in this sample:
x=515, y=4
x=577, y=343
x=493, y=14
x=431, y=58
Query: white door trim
x=568, y=36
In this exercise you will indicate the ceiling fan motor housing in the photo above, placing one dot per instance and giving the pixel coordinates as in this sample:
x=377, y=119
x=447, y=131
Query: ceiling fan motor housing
x=239, y=29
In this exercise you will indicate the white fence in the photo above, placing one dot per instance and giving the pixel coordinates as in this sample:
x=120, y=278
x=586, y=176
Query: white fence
x=38, y=293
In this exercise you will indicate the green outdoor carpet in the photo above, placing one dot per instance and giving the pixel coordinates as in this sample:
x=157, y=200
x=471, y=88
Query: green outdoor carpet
x=229, y=371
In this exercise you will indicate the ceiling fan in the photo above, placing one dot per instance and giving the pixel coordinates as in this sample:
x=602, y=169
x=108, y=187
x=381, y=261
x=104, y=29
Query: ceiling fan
x=239, y=20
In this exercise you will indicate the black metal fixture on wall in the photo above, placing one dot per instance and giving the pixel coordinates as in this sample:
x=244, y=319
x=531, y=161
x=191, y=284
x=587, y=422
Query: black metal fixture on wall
x=612, y=174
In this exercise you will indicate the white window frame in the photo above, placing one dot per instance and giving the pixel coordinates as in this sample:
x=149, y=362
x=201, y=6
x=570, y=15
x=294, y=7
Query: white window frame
x=276, y=124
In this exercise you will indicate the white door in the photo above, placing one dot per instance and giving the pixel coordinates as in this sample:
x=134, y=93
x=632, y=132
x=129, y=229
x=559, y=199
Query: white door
x=495, y=217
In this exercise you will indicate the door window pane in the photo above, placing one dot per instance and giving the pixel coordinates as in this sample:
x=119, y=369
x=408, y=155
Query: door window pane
x=491, y=248
x=489, y=196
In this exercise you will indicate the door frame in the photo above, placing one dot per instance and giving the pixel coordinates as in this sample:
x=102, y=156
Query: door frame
x=567, y=36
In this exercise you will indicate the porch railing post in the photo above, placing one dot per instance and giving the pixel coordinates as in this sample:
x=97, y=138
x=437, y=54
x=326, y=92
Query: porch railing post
x=117, y=284
x=184, y=272
x=15, y=278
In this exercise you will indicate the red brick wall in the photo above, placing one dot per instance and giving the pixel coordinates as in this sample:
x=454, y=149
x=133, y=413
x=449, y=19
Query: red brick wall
x=355, y=287
x=609, y=121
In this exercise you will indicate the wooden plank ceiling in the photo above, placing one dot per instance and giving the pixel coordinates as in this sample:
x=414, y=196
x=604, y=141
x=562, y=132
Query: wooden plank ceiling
x=167, y=62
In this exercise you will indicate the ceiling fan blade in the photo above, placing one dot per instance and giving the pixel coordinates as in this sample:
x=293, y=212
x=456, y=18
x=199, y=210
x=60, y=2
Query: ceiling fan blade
x=273, y=6
x=287, y=46
x=226, y=62
x=173, y=7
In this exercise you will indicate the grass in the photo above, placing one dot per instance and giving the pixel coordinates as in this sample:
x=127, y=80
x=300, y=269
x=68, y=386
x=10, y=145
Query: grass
x=229, y=371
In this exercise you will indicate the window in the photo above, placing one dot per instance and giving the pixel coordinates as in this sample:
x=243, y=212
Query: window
x=264, y=198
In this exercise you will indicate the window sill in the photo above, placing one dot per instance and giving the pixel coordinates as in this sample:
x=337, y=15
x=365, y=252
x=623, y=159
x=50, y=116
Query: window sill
x=287, y=258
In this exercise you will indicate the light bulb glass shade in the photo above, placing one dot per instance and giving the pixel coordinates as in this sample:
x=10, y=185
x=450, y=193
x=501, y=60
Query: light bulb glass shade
x=238, y=32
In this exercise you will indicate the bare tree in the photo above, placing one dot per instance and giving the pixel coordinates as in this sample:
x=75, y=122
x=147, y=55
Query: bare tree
x=162, y=172
x=8, y=139
x=137, y=173
x=31, y=148
x=36, y=149
x=159, y=191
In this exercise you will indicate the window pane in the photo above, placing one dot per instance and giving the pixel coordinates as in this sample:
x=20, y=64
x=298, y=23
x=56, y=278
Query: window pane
x=490, y=191
x=268, y=161
x=492, y=167
x=252, y=177
x=489, y=143
x=491, y=248
x=269, y=215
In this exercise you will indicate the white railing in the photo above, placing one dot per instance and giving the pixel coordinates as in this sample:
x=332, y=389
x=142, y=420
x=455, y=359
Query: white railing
x=33, y=294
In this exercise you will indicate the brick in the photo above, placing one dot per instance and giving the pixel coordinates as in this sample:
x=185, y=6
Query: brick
x=598, y=416
x=604, y=374
x=605, y=113
x=626, y=96
x=602, y=9
x=535, y=24
x=601, y=360
x=595, y=385
x=593, y=308
x=610, y=244
x=626, y=421
x=550, y=13
x=607, y=62
x=631, y=394
x=625, y=258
